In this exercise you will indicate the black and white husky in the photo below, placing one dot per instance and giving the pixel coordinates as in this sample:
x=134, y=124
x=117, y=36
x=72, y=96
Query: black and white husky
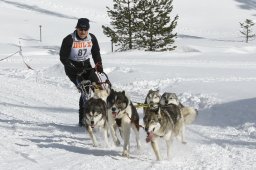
x=108, y=95
x=123, y=114
x=189, y=113
x=95, y=115
x=112, y=121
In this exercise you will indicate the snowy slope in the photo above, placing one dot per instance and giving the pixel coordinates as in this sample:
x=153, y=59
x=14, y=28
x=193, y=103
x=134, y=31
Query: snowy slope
x=212, y=70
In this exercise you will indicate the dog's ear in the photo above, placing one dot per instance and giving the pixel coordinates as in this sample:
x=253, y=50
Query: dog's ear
x=123, y=92
x=150, y=90
x=111, y=93
x=159, y=117
x=175, y=95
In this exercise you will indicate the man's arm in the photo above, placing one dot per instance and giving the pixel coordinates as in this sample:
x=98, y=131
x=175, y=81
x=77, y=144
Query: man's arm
x=65, y=50
x=95, y=50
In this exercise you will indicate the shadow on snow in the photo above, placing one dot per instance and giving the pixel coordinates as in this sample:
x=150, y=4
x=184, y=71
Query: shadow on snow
x=42, y=108
x=64, y=137
x=37, y=9
x=234, y=113
x=247, y=4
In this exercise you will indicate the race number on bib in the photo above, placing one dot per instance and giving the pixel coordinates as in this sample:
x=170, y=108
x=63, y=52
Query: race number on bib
x=80, y=50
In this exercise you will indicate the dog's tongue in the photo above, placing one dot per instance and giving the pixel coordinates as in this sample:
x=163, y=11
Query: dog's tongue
x=114, y=114
x=149, y=137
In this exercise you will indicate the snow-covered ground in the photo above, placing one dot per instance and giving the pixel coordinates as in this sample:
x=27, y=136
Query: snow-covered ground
x=211, y=70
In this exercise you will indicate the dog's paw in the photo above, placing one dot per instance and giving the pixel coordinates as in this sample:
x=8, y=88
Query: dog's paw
x=125, y=154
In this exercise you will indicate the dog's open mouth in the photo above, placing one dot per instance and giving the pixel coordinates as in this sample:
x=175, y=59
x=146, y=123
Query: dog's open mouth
x=92, y=126
x=149, y=137
x=114, y=114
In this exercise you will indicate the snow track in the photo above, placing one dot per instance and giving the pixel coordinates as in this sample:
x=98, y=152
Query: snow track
x=38, y=123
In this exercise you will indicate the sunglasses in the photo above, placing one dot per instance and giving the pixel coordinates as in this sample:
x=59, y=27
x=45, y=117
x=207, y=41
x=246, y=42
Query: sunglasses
x=82, y=29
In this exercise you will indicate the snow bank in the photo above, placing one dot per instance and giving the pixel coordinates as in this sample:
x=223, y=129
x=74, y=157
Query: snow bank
x=234, y=113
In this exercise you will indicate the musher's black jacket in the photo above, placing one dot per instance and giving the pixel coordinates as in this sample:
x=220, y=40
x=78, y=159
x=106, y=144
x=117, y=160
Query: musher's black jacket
x=73, y=67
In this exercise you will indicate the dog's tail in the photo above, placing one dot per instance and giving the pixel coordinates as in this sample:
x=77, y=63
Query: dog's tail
x=189, y=114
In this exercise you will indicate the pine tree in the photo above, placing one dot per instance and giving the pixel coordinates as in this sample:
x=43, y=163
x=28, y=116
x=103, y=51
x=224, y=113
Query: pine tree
x=154, y=25
x=247, y=32
x=110, y=33
x=122, y=29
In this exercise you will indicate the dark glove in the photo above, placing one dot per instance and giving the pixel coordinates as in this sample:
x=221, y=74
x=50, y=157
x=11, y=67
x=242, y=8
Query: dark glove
x=70, y=67
x=99, y=67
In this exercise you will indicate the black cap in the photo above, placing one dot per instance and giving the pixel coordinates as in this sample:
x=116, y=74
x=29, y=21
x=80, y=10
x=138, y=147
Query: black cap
x=83, y=23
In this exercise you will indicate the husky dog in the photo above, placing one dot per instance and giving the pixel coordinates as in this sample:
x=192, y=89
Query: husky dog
x=152, y=101
x=95, y=115
x=125, y=116
x=189, y=113
x=100, y=92
x=167, y=122
x=108, y=96
x=169, y=98
x=159, y=125
x=112, y=121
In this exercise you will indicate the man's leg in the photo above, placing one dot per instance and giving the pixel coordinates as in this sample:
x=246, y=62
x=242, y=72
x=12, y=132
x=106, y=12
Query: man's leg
x=81, y=102
x=81, y=111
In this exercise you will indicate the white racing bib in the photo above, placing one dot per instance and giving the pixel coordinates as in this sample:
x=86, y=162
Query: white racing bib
x=81, y=49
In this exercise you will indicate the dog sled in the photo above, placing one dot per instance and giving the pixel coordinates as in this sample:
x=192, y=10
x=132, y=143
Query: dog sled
x=86, y=87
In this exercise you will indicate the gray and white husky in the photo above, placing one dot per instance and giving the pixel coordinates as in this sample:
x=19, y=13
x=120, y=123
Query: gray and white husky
x=125, y=115
x=189, y=113
x=95, y=116
x=166, y=122
x=159, y=124
x=152, y=101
